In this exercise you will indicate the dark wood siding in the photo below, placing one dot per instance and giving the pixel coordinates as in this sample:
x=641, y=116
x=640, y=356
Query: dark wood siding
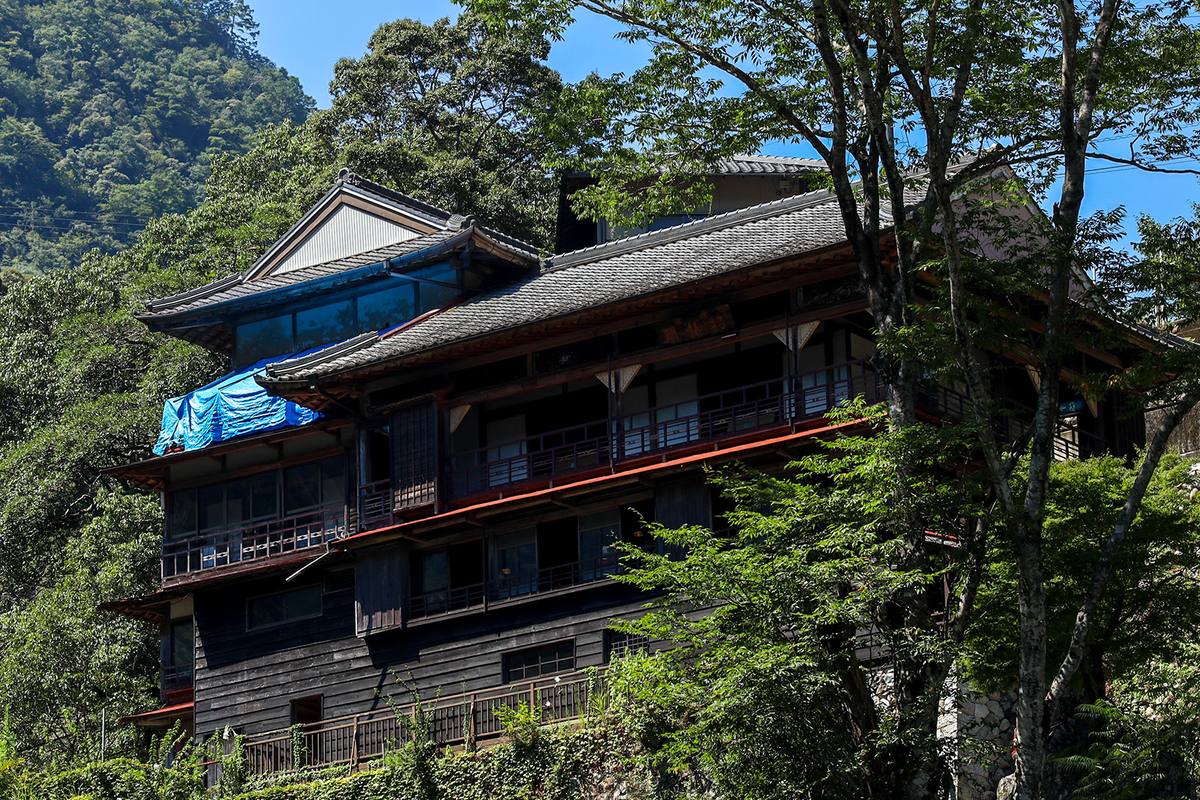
x=248, y=681
x=682, y=503
x=415, y=443
x=379, y=587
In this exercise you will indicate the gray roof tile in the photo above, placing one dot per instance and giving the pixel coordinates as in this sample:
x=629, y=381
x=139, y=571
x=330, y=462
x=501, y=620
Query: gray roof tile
x=608, y=273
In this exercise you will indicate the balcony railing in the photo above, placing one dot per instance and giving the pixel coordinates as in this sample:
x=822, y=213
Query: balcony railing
x=718, y=415
x=375, y=503
x=509, y=588
x=253, y=542
x=172, y=679
x=456, y=720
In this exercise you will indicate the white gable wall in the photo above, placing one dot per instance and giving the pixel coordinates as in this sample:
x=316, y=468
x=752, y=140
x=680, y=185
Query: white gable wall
x=345, y=232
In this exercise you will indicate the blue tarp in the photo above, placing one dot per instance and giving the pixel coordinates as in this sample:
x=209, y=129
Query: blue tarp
x=231, y=406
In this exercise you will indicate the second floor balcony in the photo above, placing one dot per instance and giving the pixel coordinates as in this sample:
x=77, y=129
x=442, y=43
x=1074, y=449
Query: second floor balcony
x=743, y=411
x=253, y=542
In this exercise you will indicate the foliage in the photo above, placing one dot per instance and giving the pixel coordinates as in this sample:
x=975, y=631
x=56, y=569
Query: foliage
x=1126, y=756
x=1152, y=608
x=111, y=113
x=447, y=112
x=765, y=694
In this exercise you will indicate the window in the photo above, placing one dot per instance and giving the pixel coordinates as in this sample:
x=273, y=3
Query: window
x=618, y=644
x=180, y=646
x=273, y=609
x=325, y=324
x=436, y=295
x=598, y=535
x=242, y=503
x=318, y=484
x=524, y=665
x=387, y=308
x=269, y=337
x=385, y=305
x=514, y=563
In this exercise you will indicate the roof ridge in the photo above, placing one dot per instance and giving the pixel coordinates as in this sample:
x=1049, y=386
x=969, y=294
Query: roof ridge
x=334, y=350
x=686, y=230
x=197, y=293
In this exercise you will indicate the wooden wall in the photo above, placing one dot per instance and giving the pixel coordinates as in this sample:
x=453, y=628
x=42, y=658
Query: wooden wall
x=246, y=679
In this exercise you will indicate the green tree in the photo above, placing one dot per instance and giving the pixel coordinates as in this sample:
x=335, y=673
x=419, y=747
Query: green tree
x=448, y=112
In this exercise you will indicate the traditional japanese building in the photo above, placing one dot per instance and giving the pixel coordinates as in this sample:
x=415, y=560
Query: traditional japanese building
x=432, y=438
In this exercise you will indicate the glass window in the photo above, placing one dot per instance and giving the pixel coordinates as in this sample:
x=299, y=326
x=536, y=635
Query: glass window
x=325, y=324
x=183, y=514
x=598, y=533
x=433, y=572
x=333, y=482
x=255, y=341
x=514, y=563
x=264, y=495
x=525, y=665
x=212, y=508
x=181, y=643
x=388, y=307
x=292, y=604
x=435, y=295
x=315, y=485
x=619, y=644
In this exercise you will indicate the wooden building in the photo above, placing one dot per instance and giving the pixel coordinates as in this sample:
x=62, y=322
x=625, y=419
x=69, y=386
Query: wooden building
x=433, y=438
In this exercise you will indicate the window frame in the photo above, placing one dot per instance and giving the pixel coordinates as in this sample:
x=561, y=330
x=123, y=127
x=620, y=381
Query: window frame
x=320, y=587
x=506, y=669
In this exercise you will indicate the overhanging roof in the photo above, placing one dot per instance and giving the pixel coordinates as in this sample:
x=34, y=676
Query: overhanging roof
x=609, y=273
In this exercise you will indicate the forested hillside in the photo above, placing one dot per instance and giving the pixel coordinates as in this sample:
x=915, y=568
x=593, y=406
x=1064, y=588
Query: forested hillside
x=112, y=111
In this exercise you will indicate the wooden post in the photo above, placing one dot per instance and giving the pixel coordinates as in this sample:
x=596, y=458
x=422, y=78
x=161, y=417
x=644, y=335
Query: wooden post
x=533, y=704
x=354, y=744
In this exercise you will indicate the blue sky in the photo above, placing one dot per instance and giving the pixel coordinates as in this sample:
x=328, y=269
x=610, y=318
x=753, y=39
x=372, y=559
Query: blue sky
x=307, y=37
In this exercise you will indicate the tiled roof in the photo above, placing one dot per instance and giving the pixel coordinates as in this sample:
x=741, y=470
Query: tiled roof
x=607, y=273
x=769, y=165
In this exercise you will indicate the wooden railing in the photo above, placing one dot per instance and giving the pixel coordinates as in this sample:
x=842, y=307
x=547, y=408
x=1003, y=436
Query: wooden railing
x=704, y=418
x=459, y=720
x=172, y=679
x=510, y=588
x=252, y=542
x=375, y=502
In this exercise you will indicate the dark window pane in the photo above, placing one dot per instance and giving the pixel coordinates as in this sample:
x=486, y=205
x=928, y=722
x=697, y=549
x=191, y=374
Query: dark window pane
x=432, y=572
x=265, y=495
x=267, y=610
x=535, y=662
x=181, y=644
x=432, y=294
x=183, y=514
x=237, y=503
x=305, y=602
x=258, y=340
x=333, y=482
x=325, y=324
x=389, y=307
x=212, y=508
x=302, y=488
x=293, y=604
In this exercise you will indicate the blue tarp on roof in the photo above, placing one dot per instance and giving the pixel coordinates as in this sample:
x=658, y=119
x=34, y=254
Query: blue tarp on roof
x=234, y=405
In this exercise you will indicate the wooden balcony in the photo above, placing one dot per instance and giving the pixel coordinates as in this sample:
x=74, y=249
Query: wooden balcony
x=450, y=721
x=510, y=589
x=732, y=413
x=185, y=559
